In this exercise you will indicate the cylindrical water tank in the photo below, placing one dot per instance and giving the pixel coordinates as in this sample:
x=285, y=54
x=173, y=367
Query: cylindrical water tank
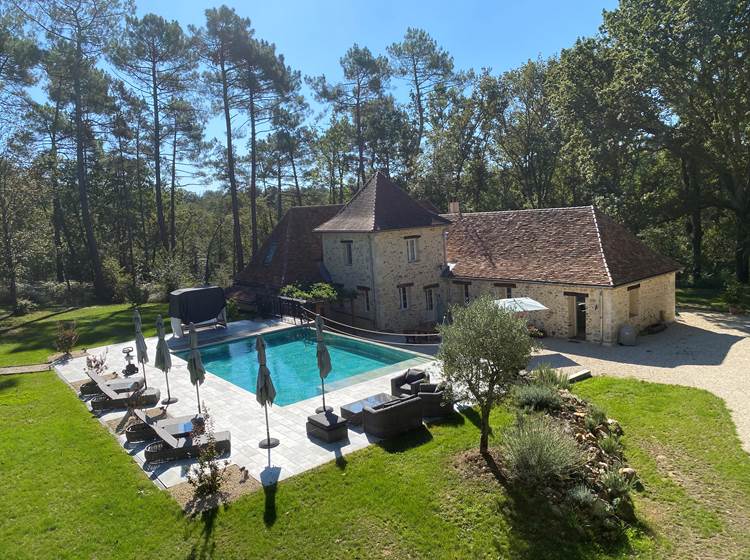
x=627, y=335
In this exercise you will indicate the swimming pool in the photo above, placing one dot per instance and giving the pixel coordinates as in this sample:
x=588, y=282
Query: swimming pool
x=291, y=358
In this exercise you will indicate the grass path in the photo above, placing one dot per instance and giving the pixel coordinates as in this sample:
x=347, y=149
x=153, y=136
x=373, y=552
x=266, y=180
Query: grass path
x=69, y=491
x=31, y=339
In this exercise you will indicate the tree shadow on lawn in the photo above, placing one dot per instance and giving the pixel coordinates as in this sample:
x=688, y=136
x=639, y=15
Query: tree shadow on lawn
x=452, y=420
x=206, y=546
x=7, y=383
x=404, y=442
x=35, y=320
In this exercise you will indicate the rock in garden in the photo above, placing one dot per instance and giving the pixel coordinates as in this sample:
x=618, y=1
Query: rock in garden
x=628, y=473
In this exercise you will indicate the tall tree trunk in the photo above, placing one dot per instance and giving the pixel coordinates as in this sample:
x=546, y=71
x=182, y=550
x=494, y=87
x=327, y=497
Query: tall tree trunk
x=239, y=257
x=341, y=185
x=172, y=186
x=297, y=190
x=57, y=215
x=360, y=146
x=8, y=252
x=128, y=217
x=279, y=205
x=484, y=439
x=157, y=158
x=693, y=201
x=100, y=290
x=742, y=248
x=9, y=258
x=253, y=176
x=141, y=207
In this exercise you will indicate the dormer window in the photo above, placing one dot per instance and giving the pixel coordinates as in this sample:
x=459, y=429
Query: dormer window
x=412, y=248
x=270, y=253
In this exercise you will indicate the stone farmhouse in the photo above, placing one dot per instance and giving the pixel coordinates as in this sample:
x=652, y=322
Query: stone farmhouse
x=404, y=265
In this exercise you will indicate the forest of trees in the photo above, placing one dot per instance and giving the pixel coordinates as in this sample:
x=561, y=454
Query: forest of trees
x=103, y=121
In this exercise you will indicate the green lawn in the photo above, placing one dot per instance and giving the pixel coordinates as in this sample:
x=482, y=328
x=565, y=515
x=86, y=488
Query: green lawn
x=31, y=339
x=707, y=298
x=69, y=491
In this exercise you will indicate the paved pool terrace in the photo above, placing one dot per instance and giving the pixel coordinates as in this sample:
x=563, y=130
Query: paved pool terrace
x=236, y=410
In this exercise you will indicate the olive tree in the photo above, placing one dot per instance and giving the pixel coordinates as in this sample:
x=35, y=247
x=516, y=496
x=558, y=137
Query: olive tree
x=483, y=351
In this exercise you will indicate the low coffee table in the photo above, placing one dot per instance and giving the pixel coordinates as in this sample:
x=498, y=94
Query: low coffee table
x=353, y=411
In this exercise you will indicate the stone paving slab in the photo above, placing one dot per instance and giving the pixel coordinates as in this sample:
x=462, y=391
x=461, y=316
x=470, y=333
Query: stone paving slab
x=236, y=410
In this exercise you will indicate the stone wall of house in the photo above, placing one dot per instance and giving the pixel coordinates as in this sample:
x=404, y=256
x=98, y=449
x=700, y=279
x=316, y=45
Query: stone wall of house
x=607, y=309
x=350, y=277
x=654, y=302
x=556, y=321
x=391, y=269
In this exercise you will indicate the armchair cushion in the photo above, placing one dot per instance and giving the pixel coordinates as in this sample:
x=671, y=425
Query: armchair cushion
x=408, y=382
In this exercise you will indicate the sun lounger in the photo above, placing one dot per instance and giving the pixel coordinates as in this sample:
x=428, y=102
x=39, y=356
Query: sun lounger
x=171, y=448
x=94, y=386
x=109, y=399
x=144, y=430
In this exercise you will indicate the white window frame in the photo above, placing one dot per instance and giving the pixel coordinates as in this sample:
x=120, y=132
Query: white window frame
x=429, y=299
x=412, y=249
x=403, y=297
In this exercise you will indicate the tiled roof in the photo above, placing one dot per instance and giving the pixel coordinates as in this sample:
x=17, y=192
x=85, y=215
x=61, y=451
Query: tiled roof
x=558, y=245
x=292, y=253
x=381, y=205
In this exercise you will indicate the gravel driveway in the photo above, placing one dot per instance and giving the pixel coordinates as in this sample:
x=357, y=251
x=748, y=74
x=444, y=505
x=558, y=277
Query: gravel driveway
x=701, y=349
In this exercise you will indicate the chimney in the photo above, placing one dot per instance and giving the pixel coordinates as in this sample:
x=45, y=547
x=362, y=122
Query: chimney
x=453, y=207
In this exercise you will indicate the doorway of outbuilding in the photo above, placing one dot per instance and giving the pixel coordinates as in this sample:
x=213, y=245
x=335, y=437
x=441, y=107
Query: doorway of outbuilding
x=576, y=316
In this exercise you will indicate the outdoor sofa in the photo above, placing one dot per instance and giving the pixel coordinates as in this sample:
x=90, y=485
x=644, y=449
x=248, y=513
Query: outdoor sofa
x=408, y=382
x=171, y=448
x=434, y=403
x=93, y=387
x=144, y=430
x=392, y=418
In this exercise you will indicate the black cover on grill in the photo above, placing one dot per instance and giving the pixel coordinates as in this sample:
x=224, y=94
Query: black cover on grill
x=196, y=305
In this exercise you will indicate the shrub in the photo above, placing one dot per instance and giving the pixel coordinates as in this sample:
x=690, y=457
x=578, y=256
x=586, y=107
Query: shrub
x=617, y=485
x=595, y=417
x=115, y=279
x=610, y=444
x=316, y=292
x=581, y=496
x=233, y=310
x=545, y=374
x=536, y=332
x=24, y=307
x=67, y=336
x=537, y=397
x=169, y=274
x=208, y=475
x=734, y=293
x=536, y=451
x=137, y=295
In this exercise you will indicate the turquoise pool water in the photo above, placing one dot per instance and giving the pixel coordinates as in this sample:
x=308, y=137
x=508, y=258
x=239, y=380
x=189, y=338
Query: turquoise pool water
x=291, y=358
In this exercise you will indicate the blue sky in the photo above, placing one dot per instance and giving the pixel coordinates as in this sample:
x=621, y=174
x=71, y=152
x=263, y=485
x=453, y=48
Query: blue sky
x=314, y=34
